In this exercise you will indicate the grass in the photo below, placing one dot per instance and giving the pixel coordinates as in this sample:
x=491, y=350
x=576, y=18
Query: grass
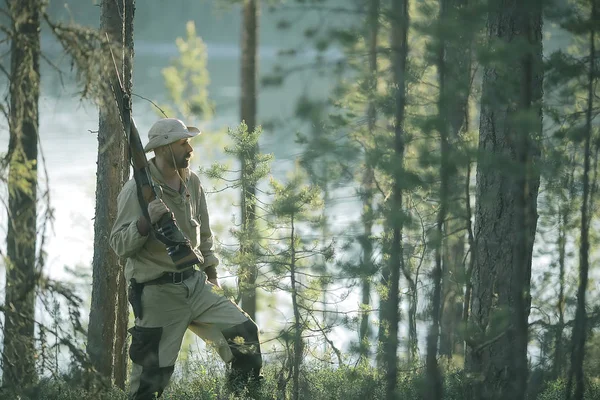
x=317, y=383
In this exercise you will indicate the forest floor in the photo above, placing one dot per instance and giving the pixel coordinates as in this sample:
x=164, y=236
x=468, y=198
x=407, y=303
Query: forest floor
x=316, y=383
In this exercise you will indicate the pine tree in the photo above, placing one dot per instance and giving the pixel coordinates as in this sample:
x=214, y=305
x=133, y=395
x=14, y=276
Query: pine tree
x=187, y=79
x=22, y=270
x=390, y=314
x=507, y=187
x=459, y=26
x=243, y=144
x=296, y=207
x=107, y=330
x=25, y=278
x=367, y=189
x=248, y=104
x=579, y=330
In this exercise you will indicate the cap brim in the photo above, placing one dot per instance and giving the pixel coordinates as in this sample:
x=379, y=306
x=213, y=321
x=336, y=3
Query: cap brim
x=172, y=137
x=194, y=130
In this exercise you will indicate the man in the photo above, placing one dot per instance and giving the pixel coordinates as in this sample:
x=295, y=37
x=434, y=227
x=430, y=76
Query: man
x=166, y=301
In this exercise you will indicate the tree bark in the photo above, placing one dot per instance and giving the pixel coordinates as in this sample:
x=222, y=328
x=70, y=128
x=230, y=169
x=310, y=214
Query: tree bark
x=249, y=271
x=506, y=209
x=564, y=215
x=580, y=328
x=412, y=344
x=18, y=354
x=473, y=248
x=457, y=64
x=110, y=175
x=122, y=314
x=399, y=52
x=434, y=379
x=297, y=321
x=369, y=176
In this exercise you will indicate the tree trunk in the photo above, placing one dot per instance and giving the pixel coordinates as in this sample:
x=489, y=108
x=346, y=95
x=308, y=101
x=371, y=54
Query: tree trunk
x=122, y=315
x=249, y=271
x=434, y=379
x=457, y=64
x=506, y=209
x=368, y=178
x=122, y=320
x=412, y=345
x=383, y=329
x=109, y=180
x=580, y=328
x=399, y=52
x=297, y=322
x=412, y=342
x=18, y=354
x=473, y=248
x=563, y=226
x=558, y=341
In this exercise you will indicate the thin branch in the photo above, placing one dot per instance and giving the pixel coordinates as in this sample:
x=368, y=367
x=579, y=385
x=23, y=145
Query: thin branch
x=151, y=102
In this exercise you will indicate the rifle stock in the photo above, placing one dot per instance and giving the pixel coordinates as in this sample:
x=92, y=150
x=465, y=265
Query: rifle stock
x=166, y=229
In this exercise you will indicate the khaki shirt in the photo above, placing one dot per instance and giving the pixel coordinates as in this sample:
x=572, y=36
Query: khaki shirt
x=147, y=257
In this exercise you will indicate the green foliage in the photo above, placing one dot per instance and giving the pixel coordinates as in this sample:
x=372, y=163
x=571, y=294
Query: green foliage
x=317, y=382
x=243, y=144
x=64, y=388
x=337, y=145
x=295, y=208
x=556, y=390
x=23, y=173
x=89, y=52
x=343, y=383
x=292, y=199
x=187, y=79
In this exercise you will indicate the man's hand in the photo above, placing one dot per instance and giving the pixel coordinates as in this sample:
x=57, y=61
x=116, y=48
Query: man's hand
x=215, y=282
x=156, y=209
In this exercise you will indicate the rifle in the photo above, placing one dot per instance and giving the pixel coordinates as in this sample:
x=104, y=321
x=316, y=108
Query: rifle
x=166, y=229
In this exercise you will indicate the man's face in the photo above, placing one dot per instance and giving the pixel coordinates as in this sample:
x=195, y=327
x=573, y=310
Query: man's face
x=182, y=151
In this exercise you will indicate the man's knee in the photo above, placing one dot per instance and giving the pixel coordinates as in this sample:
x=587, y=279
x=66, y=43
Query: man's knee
x=243, y=339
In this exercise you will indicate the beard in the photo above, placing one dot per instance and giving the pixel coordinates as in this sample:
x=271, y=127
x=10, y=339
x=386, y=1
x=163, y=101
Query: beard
x=184, y=161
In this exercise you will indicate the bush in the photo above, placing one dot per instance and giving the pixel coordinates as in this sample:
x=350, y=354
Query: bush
x=556, y=390
x=207, y=382
x=341, y=383
x=63, y=389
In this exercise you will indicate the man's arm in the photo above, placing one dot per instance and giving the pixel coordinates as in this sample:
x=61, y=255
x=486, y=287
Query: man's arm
x=130, y=230
x=206, y=239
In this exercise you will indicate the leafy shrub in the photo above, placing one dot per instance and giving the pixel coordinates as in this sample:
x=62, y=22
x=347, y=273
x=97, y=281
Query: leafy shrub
x=207, y=382
x=556, y=390
x=62, y=389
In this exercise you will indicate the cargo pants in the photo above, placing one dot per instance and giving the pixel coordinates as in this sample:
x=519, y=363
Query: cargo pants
x=170, y=309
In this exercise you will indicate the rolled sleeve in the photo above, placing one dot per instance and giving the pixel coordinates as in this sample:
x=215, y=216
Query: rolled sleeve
x=125, y=239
